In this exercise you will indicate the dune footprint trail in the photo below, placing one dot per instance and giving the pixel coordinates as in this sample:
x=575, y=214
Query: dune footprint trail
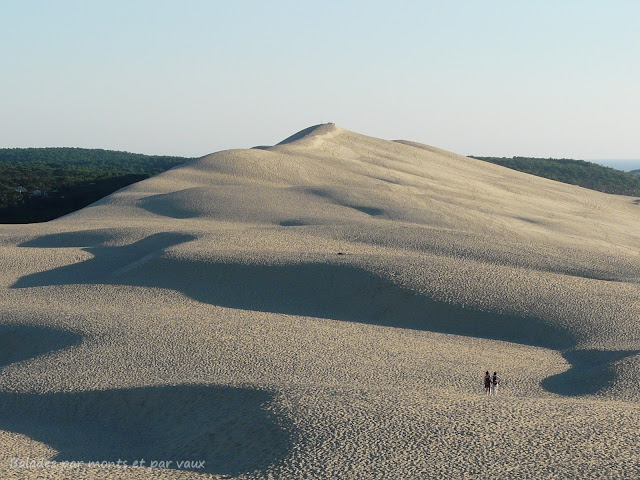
x=325, y=308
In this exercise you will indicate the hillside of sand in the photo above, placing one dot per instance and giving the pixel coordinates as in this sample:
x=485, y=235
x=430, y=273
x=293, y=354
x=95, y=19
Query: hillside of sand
x=324, y=308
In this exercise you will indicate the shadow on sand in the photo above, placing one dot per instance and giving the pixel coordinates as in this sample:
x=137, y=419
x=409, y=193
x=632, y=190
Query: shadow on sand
x=590, y=372
x=105, y=262
x=228, y=428
x=324, y=290
x=21, y=342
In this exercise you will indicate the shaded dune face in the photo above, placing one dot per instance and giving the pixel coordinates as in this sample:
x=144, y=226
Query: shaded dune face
x=591, y=371
x=107, y=261
x=230, y=429
x=277, y=205
x=335, y=291
x=82, y=238
x=21, y=342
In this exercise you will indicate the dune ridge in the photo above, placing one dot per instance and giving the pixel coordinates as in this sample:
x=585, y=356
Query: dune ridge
x=327, y=307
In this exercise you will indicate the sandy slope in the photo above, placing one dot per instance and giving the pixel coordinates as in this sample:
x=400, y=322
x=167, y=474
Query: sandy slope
x=325, y=308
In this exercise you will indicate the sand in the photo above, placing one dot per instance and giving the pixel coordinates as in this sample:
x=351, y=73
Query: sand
x=325, y=308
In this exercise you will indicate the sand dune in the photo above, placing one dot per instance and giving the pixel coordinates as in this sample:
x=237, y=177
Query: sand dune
x=325, y=308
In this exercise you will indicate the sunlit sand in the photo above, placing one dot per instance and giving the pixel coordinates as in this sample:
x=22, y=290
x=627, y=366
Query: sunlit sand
x=325, y=308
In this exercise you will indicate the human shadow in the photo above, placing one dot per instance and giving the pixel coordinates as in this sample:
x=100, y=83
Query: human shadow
x=21, y=342
x=591, y=371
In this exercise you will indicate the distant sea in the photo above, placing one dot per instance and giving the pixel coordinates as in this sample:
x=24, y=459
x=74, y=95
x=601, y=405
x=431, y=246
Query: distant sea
x=625, y=165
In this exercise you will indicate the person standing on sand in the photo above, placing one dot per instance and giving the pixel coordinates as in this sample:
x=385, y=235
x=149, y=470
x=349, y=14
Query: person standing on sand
x=495, y=380
x=487, y=383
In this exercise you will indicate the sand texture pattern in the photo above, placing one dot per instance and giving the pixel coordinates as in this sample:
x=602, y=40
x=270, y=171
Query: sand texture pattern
x=325, y=308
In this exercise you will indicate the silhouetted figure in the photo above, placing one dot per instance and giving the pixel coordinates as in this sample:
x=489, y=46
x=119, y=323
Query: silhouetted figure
x=487, y=383
x=495, y=380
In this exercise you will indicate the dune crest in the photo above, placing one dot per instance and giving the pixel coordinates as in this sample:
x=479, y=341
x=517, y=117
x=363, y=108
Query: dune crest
x=320, y=130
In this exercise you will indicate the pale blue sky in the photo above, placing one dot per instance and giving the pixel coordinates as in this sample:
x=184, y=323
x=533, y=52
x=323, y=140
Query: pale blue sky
x=545, y=78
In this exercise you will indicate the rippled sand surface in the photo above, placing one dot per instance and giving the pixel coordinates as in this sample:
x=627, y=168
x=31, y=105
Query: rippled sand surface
x=325, y=308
